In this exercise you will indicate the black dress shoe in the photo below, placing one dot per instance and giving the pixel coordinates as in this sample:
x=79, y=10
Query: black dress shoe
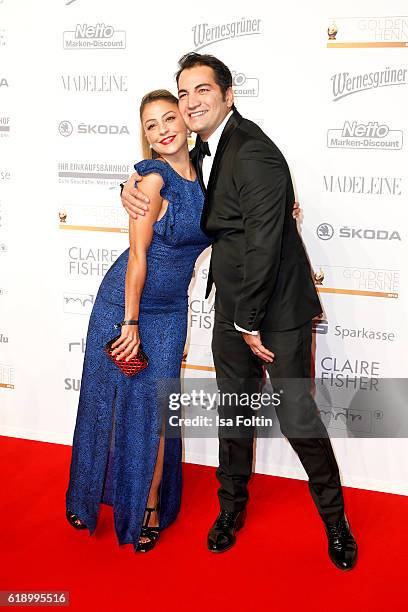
x=342, y=545
x=221, y=536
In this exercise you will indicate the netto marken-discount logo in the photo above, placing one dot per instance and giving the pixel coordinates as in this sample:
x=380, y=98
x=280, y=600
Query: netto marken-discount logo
x=344, y=84
x=205, y=34
x=243, y=86
x=98, y=36
x=371, y=135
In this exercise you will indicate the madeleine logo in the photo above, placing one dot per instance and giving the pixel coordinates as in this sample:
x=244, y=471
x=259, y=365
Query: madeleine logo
x=360, y=32
x=205, y=35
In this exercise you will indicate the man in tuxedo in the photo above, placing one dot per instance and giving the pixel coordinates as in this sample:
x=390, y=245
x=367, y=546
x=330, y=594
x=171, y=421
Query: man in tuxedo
x=265, y=296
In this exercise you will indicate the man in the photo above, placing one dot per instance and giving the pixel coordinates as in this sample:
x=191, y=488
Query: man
x=265, y=297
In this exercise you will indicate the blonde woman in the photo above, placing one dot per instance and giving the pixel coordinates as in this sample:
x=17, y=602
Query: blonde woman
x=119, y=454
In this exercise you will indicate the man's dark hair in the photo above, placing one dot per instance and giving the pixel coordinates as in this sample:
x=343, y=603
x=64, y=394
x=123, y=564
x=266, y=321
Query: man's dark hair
x=222, y=74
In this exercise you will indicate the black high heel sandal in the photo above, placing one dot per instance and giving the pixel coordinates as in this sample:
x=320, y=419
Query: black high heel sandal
x=75, y=521
x=148, y=532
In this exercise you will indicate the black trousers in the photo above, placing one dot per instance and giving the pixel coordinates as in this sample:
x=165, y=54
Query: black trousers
x=239, y=371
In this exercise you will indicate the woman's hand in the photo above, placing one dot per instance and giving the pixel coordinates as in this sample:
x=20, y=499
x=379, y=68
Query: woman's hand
x=297, y=211
x=128, y=343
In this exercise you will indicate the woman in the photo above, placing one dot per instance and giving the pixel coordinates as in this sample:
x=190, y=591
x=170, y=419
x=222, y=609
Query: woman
x=119, y=454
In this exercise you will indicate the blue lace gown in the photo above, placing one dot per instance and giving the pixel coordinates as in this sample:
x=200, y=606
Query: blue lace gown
x=118, y=422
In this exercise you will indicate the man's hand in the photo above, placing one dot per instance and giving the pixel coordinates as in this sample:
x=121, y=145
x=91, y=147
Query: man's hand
x=297, y=211
x=134, y=201
x=258, y=349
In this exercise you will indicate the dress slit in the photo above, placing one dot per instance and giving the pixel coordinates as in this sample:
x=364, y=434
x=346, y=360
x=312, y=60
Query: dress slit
x=107, y=495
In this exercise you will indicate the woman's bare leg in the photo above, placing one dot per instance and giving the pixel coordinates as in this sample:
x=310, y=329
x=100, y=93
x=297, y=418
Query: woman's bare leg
x=154, y=488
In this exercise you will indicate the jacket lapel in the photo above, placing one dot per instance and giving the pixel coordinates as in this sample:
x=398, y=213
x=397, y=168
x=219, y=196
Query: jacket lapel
x=231, y=125
x=193, y=156
x=227, y=132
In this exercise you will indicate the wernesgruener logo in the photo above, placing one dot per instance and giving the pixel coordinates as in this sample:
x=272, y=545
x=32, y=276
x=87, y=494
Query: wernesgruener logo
x=205, y=34
x=345, y=84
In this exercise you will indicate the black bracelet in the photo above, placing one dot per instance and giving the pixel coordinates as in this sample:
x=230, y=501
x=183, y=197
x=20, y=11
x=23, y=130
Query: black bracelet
x=127, y=322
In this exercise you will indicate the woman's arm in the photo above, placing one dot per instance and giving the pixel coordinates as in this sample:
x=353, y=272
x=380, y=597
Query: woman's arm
x=140, y=237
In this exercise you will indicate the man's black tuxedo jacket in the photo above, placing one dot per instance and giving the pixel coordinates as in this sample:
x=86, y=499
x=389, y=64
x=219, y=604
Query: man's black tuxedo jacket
x=259, y=265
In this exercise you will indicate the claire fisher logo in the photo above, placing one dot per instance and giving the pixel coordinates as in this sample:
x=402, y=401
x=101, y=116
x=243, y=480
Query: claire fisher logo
x=355, y=32
x=98, y=36
x=370, y=135
x=83, y=261
x=205, y=35
x=344, y=84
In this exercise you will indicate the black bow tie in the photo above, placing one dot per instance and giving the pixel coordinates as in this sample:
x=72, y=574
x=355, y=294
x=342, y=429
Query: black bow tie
x=204, y=149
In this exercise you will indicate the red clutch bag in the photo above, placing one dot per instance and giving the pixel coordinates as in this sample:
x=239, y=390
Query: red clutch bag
x=134, y=365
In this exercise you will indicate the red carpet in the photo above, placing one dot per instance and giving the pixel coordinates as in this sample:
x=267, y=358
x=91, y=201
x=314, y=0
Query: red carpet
x=279, y=561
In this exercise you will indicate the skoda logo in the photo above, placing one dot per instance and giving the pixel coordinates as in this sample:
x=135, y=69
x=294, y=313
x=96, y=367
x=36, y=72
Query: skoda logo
x=325, y=231
x=65, y=128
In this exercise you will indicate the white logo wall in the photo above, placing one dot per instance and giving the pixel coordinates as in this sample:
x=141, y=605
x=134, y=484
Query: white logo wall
x=334, y=102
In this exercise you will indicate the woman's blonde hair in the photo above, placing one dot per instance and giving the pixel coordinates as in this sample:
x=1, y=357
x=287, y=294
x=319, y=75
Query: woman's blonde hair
x=152, y=96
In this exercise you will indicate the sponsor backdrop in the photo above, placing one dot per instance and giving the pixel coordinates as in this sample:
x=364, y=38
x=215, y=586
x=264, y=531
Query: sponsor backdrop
x=329, y=84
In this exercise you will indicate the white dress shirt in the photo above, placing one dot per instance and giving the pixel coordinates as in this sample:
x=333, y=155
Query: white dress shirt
x=208, y=160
